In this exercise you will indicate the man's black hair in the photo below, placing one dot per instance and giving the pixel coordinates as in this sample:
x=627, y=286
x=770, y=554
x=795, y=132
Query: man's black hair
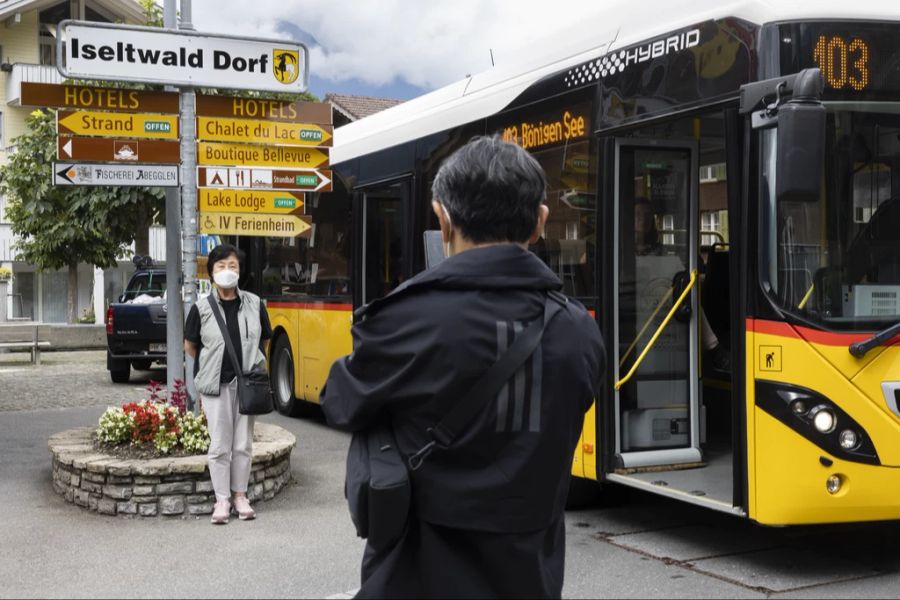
x=221, y=252
x=492, y=190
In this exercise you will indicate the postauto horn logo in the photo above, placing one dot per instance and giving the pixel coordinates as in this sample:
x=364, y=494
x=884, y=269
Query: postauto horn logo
x=287, y=65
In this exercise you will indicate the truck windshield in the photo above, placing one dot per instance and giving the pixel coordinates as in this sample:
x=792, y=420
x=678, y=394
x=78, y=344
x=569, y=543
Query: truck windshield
x=835, y=261
x=149, y=284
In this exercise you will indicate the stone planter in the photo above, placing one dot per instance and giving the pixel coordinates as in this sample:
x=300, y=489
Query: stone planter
x=162, y=486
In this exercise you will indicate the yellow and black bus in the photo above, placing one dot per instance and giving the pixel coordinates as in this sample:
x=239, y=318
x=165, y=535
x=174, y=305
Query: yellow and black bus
x=705, y=194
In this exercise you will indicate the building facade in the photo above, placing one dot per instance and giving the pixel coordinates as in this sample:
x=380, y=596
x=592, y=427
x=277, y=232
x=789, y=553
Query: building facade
x=28, y=54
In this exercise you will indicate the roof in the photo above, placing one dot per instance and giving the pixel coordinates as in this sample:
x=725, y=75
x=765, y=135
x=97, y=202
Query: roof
x=617, y=25
x=359, y=107
x=129, y=11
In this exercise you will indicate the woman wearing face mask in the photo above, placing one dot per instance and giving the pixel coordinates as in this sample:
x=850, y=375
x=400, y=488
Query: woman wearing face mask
x=215, y=377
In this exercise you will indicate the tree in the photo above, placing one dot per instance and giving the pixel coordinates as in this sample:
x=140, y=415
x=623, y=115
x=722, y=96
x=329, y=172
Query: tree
x=61, y=226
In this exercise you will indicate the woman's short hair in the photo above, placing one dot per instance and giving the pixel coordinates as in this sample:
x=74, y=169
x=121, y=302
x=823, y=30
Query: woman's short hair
x=221, y=252
x=492, y=190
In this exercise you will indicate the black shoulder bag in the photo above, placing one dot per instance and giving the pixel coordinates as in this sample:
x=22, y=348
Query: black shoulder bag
x=378, y=486
x=254, y=391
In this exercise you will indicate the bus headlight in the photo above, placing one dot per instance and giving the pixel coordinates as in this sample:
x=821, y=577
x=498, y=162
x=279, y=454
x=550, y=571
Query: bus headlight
x=799, y=407
x=833, y=484
x=849, y=440
x=824, y=419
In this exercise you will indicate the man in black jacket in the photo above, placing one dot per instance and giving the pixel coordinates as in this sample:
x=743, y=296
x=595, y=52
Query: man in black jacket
x=487, y=517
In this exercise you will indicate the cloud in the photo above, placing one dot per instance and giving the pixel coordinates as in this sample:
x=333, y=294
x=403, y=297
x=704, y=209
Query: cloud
x=423, y=43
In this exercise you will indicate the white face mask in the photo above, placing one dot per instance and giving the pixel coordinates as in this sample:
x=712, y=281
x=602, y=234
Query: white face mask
x=226, y=279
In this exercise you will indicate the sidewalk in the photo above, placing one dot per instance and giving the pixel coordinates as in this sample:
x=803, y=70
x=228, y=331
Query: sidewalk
x=66, y=380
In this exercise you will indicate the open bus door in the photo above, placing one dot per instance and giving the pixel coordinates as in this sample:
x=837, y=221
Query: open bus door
x=385, y=248
x=654, y=359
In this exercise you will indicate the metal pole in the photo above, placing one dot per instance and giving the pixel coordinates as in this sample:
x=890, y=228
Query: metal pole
x=188, y=107
x=174, y=308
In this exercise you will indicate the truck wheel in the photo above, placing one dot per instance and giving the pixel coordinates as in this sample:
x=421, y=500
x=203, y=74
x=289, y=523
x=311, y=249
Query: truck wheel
x=119, y=370
x=283, y=379
x=142, y=365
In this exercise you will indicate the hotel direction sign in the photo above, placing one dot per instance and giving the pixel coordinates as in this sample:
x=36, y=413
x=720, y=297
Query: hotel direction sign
x=118, y=150
x=263, y=132
x=250, y=201
x=67, y=173
x=259, y=225
x=98, y=98
x=89, y=50
x=251, y=155
x=112, y=124
x=261, y=108
x=313, y=180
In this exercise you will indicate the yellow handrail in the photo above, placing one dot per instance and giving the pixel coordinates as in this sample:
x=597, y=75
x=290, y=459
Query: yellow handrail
x=659, y=330
x=646, y=326
x=806, y=298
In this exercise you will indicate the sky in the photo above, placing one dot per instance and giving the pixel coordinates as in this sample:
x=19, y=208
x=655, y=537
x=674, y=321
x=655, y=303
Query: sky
x=394, y=48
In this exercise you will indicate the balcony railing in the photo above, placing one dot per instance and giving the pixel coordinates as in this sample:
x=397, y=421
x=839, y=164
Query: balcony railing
x=31, y=73
x=6, y=242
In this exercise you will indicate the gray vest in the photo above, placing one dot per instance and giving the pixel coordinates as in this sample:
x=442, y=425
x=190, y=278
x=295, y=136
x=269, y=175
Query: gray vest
x=207, y=379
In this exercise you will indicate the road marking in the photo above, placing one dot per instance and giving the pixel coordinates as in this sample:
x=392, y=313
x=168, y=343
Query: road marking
x=2, y=371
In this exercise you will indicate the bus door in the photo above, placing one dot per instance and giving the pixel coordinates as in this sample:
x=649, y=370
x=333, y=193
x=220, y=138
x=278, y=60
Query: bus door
x=655, y=353
x=385, y=256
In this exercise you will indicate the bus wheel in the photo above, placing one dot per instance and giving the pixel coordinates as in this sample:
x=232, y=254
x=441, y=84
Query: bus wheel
x=283, y=379
x=582, y=493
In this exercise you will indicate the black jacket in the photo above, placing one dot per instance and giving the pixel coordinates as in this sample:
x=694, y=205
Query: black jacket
x=420, y=349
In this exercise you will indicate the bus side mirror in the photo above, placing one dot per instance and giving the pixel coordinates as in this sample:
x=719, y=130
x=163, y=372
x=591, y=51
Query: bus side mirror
x=801, y=140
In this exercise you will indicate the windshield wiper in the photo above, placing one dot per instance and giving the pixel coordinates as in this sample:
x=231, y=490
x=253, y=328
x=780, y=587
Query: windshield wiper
x=860, y=349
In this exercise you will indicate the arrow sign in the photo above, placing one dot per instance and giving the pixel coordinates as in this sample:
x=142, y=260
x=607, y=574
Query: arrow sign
x=250, y=201
x=263, y=132
x=119, y=175
x=257, y=225
x=115, y=150
x=215, y=153
x=110, y=124
x=313, y=180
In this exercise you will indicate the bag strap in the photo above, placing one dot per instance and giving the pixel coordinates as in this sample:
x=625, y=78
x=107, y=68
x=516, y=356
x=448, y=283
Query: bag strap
x=228, y=344
x=490, y=383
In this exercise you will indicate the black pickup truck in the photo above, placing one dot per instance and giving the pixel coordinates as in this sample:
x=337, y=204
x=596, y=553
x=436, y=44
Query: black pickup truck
x=136, y=324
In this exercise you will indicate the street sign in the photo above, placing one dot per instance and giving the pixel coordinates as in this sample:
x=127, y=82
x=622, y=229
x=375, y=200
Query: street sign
x=67, y=173
x=111, y=124
x=83, y=96
x=313, y=180
x=89, y=50
x=250, y=201
x=217, y=153
x=263, y=132
x=115, y=150
x=255, y=224
x=260, y=108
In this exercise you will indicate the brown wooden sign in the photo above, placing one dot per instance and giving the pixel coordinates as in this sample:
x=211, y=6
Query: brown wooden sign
x=122, y=151
x=82, y=96
x=258, y=108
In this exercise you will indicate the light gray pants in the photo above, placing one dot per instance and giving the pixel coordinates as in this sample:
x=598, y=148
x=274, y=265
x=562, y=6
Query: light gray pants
x=231, y=441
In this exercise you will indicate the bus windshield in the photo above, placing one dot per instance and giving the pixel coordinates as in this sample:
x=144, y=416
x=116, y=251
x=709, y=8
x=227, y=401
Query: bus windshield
x=836, y=261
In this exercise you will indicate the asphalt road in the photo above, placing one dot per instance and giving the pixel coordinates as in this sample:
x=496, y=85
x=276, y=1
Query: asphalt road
x=303, y=545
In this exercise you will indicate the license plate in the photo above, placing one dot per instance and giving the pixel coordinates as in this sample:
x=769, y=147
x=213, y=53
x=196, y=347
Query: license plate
x=157, y=347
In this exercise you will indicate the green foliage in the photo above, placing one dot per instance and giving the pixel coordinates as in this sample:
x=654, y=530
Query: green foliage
x=59, y=226
x=194, y=433
x=5, y=274
x=153, y=13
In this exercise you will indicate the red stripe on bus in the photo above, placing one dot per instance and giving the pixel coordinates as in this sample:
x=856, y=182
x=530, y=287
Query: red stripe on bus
x=309, y=305
x=826, y=338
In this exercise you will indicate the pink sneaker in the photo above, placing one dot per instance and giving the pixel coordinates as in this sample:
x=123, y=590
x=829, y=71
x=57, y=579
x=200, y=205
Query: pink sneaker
x=244, y=510
x=221, y=512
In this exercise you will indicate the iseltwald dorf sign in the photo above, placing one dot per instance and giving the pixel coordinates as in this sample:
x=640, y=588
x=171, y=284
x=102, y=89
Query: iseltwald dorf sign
x=88, y=50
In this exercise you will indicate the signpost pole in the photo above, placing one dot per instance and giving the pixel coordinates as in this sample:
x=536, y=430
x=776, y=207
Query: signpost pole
x=174, y=309
x=189, y=182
